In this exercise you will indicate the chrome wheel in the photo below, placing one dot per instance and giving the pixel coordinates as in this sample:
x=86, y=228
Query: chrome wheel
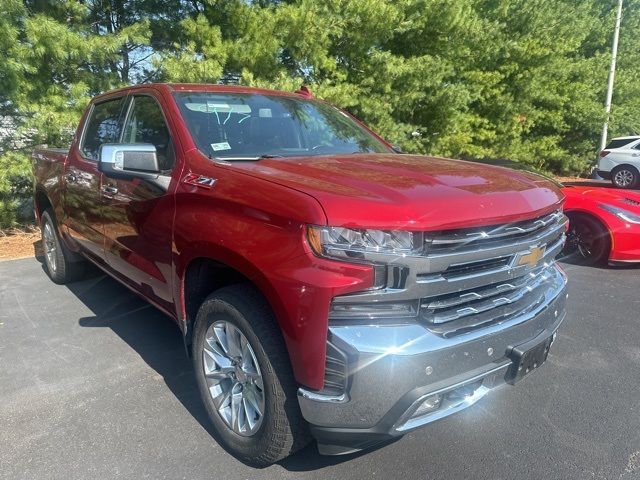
x=623, y=178
x=233, y=378
x=49, y=245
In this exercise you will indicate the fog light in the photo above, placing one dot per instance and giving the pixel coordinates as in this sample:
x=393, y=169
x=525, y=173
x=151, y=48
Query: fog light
x=464, y=392
x=429, y=405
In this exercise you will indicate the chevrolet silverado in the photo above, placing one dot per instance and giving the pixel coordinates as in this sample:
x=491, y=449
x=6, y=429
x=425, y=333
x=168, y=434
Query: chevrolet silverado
x=326, y=286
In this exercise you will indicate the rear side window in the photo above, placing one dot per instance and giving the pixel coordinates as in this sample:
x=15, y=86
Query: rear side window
x=103, y=126
x=619, y=143
x=146, y=124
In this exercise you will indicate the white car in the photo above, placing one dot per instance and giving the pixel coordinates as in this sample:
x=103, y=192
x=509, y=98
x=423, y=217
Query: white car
x=620, y=162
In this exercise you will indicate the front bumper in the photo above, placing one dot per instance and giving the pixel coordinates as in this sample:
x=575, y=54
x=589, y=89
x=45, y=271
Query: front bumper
x=626, y=242
x=392, y=368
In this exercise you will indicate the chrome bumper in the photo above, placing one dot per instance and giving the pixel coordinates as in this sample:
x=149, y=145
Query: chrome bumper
x=392, y=368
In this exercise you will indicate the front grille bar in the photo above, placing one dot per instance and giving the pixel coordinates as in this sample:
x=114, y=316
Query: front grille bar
x=487, y=234
x=460, y=298
x=483, y=301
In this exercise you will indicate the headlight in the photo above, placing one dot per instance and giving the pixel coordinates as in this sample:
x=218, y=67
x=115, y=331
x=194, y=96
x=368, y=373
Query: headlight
x=621, y=213
x=349, y=244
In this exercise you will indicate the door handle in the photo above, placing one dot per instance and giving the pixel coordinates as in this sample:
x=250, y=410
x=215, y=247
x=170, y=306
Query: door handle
x=109, y=190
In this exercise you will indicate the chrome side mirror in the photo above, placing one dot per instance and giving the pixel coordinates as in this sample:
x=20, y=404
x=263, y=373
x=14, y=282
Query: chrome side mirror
x=128, y=161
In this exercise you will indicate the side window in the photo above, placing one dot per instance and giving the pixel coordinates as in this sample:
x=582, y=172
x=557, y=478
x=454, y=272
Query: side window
x=618, y=143
x=103, y=126
x=146, y=125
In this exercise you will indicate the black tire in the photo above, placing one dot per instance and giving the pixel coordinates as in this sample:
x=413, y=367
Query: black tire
x=588, y=241
x=59, y=263
x=625, y=176
x=283, y=430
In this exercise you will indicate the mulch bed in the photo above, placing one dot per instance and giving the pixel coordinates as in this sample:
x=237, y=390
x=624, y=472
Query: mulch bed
x=19, y=244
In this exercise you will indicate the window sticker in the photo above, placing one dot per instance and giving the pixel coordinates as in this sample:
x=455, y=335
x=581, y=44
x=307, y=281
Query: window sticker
x=220, y=146
x=218, y=106
x=211, y=107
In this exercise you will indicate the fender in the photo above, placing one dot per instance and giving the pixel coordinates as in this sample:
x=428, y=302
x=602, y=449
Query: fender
x=227, y=258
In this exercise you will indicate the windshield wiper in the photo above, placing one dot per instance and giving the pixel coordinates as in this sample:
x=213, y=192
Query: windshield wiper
x=245, y=159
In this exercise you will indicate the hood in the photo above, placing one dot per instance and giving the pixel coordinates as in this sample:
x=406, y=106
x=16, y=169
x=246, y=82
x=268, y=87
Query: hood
x=392, y=191
x=627, y=199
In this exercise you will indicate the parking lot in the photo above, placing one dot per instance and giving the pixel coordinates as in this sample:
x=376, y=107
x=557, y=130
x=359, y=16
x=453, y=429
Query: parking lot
x=94, y=383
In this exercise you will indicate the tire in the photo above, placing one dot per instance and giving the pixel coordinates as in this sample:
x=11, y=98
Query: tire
x=625, y=176
x=588, y=241
x=58, y=260
x=236, y=312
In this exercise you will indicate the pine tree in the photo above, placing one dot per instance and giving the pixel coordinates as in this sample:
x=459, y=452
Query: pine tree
x=517, y=79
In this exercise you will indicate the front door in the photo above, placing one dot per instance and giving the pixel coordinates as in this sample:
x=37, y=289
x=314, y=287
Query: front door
x=138, y=213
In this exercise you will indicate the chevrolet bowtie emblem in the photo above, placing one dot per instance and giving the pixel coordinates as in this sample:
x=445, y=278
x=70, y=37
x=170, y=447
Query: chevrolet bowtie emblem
x=532, y=258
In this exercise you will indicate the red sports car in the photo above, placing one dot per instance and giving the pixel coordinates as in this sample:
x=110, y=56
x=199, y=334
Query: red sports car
x=604, y=224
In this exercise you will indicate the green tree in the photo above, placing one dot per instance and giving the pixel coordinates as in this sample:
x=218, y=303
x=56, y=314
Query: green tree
x=518, y=79
x=54, y=60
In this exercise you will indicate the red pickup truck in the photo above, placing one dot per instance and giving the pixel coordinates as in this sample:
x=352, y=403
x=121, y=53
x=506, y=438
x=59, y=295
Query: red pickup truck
x=326, y=285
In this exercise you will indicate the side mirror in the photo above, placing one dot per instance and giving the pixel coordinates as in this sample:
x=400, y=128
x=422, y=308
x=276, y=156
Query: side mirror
x=396, y=148
x=128, y=161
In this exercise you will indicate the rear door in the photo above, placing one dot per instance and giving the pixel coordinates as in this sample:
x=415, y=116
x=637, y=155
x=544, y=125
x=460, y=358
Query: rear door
x=83, y=201
x=635, y=155
x=622, y=150
x=138, y=214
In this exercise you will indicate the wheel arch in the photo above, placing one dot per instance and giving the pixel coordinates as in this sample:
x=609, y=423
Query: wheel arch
x=598, y=218
x=41, y=202
x=204, y=274
x=627, y=165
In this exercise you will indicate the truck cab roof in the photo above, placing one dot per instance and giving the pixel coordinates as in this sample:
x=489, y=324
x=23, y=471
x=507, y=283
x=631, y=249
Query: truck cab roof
x=203, y=87
x=630, y=137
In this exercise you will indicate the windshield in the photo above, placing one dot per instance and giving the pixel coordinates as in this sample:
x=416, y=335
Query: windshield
x=238, y=126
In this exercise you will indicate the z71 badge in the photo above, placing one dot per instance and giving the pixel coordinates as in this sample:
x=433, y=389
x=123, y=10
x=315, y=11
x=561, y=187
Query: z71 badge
x=199, y=180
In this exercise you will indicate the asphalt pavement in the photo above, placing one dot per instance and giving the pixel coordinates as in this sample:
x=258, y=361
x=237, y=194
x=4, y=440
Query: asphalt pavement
x=95, y=383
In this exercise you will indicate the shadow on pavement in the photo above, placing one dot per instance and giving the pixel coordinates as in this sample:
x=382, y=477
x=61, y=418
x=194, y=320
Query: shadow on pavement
x=158, y=341
x=153, y=335
x=308, y=459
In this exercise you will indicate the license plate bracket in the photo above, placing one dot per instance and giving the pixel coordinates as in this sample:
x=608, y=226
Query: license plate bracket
x=527, y=358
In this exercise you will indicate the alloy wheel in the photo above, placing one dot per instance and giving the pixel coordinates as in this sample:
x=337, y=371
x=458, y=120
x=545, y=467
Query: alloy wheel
x=49, y=246
x=233, y=378
x=623, y=178
x=584, y=241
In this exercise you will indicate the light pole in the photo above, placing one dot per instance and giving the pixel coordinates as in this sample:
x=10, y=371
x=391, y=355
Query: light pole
x=612, y=74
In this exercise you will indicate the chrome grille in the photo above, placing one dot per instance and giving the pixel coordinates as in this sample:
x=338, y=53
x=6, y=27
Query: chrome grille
x=464, y=304
x=468, y=278
x=486, y=236
x=488, y=287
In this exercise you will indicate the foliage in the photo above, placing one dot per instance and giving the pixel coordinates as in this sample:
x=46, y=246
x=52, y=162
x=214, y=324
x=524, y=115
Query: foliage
x=517, y=79
x=16, y=207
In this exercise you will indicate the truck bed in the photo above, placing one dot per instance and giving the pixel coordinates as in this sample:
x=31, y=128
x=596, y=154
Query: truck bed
x=48, y=166
x=51, y=154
